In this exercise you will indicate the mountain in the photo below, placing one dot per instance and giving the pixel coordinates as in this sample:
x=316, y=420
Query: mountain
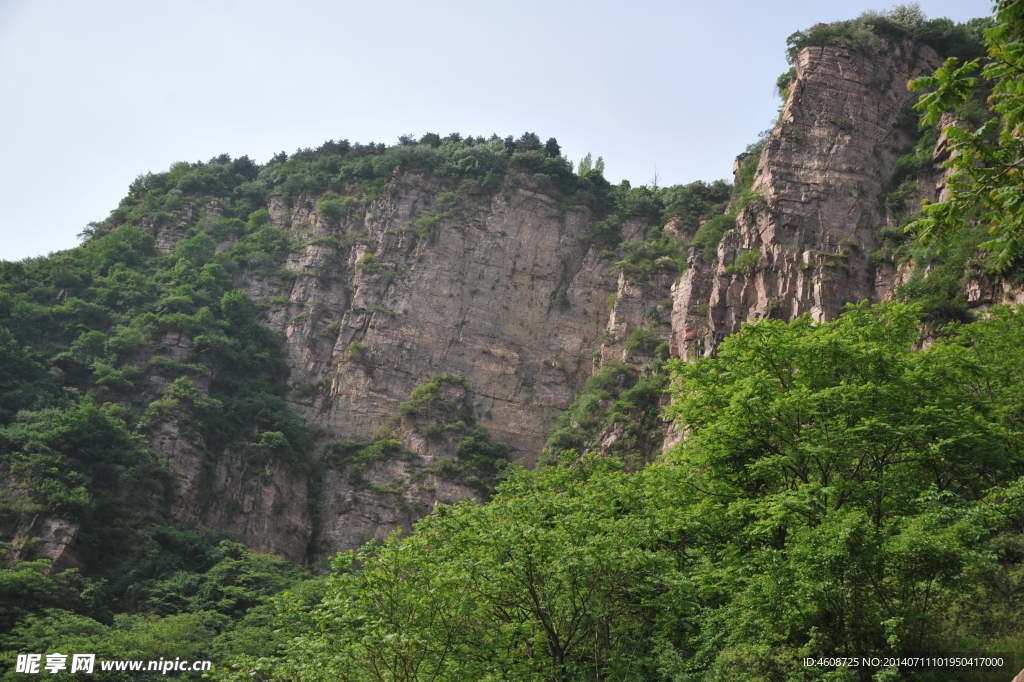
x=489, y=261
x=307, y=355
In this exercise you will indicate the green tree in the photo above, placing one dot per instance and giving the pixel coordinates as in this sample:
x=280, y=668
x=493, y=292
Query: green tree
x=552, y=149
x=840, y=476
x=987, y=178
x=586, y=163
x=836, y=491
x=910, y=15
x=556, y=579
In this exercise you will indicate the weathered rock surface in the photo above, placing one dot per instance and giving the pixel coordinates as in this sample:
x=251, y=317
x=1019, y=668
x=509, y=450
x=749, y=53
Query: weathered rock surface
x=478, y=300
x=504, y=294
x=266, y=506
x=818, y=184
x=49, y=538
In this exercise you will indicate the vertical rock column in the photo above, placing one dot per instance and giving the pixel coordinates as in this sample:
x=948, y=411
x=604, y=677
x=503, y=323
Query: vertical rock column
x=817, y=198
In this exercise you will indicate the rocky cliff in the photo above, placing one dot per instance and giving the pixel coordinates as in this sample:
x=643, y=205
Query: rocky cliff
x=807, y=233
x=503, y=292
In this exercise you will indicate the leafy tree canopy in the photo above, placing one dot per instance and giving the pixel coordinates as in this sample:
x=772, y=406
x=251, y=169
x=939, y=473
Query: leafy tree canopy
x=986, y=181
x=837, y=491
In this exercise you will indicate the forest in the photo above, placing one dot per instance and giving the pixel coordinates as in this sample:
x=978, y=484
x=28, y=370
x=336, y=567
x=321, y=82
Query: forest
x=845, y=491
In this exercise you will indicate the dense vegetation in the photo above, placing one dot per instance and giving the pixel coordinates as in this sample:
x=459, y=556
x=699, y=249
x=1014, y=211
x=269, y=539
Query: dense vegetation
x=87, y=381
x=837, y=493
x=87, y=377
x=210, y=602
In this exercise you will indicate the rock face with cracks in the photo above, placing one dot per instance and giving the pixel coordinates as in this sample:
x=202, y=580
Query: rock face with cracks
x=816, y=204
x=502, y=292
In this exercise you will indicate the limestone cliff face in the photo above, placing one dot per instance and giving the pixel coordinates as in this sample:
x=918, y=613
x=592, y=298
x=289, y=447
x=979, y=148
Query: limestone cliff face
x=637, y=304
x=48, y=538
x=501, y=291
x=268, y=507
x=816, y=204
x=479, y=298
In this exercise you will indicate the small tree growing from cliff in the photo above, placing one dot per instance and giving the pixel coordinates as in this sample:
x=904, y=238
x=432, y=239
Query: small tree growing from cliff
x=910, y=15
x=745, y=264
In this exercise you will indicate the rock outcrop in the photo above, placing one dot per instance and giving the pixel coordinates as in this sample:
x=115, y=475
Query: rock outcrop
x=48, y=538
x=815, y=203
x=501, y=290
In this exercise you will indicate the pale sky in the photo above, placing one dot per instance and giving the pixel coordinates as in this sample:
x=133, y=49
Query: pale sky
x=95, y=93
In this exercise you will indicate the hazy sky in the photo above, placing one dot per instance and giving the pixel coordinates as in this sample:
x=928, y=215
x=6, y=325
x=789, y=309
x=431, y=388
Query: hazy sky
x=95, y=93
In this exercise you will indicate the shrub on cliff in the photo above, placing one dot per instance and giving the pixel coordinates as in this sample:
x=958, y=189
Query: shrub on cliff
x=746, y=263
x=711, y=233
x=428, y=400
x=901, y=21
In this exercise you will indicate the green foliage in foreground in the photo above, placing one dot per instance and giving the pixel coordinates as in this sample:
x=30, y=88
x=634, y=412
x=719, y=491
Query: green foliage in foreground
x=221, y=610
x=837, y=492
x=986, y=180
x=100, y=348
